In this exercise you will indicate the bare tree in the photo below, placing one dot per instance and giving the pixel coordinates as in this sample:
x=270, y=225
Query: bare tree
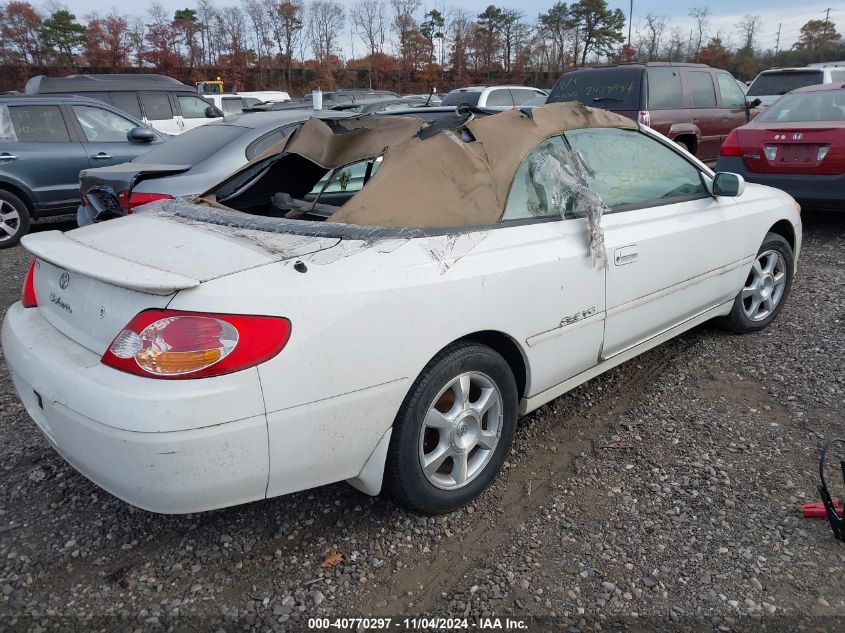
x=702, y=23
x=514, y=33
x=675, y=46
x=256, y=11
x=459, y=31
x=404, y=25
x=207, y=16
x=232, y=32
x=749, y=29
x=369, y=21
x=655, y=26
x=325, y=24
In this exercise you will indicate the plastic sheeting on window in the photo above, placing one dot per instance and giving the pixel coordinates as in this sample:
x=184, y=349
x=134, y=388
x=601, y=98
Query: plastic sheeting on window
x=558, y=178
x=7, y=130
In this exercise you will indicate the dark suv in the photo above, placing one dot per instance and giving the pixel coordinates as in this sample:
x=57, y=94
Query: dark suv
x=45, y=142
x=693, y=104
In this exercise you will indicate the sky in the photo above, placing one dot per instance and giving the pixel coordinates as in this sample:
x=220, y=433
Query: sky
x=725, y=14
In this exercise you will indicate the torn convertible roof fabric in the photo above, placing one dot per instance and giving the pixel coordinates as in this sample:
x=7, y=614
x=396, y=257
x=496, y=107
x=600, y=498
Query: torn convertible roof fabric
x=456, y=177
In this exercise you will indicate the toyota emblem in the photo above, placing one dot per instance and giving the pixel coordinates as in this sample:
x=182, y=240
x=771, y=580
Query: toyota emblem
x=64, y=280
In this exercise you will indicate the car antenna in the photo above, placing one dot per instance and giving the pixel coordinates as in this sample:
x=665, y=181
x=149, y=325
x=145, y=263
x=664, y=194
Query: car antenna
x=430, y=95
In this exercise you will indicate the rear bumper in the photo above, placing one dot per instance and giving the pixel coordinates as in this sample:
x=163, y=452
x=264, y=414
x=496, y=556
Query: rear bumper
x=808, y=190
x=61, y=385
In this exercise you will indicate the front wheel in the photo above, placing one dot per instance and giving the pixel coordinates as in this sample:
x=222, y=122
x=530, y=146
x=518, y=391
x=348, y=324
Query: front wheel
x=765, y=289
x=454, y=430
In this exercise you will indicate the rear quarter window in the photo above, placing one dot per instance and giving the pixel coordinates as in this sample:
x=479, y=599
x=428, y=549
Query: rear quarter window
x=156, y=106
x=263, y=143
x=665, y=91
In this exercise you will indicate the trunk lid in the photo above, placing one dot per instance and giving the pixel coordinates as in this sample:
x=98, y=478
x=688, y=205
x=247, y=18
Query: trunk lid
x=787, y=148
x=102, y=184
x=90, y=282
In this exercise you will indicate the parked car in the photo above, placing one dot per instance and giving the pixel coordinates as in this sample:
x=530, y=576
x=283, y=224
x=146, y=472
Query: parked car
x=694, y=105
x=432, y=98
x=492, y=97
x=368, y=106
x=388, y=330
x=188, y=165
x=797, y=144
x=266, y=96
x=771, y=84
x=164, y=103
x=232, y=103
x=45, y=142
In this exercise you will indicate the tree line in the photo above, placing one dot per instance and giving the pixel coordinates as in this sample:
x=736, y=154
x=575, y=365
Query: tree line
x=296, y=45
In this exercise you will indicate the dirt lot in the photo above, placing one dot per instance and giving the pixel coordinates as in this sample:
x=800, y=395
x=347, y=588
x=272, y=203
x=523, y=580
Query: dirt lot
x=661, y=496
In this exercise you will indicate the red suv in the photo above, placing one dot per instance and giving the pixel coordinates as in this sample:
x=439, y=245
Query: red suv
x=693, y=104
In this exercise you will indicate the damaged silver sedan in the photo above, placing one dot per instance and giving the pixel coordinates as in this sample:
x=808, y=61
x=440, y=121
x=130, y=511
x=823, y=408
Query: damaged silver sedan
x=377, y=300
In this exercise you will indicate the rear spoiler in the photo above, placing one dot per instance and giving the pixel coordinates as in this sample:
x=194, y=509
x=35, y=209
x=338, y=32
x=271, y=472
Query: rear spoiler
x=62, y=251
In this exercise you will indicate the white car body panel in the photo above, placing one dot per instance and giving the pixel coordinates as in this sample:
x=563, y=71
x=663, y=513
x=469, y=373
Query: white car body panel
x=367, y=316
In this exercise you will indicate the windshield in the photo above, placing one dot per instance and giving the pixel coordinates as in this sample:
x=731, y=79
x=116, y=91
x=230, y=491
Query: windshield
x=609, y=88
x=193, y=146
x=824, y=105
x=458, y=97
x=779, y=83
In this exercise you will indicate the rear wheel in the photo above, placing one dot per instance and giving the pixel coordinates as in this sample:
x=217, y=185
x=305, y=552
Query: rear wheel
x=14, y=219
x=454, y=430
x=765, y=289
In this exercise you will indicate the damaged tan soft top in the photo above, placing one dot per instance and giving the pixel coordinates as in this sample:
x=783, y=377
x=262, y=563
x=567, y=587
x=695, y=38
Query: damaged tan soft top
x=433, y=177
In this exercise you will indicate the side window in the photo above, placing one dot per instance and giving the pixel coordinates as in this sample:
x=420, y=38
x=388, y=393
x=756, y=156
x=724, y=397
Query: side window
x=701, y=87
x=732, y=96
x=664, y=89
x=101, y=126
x=539, y=188
x=230, y=105
x=156, y=106
x=194, y=107
x=631, y=168
x=128, y=102
x=521, y=95
x=349, y=179
x=39, y=124
x=263, y=143
x=499, y=98
x=837, y=76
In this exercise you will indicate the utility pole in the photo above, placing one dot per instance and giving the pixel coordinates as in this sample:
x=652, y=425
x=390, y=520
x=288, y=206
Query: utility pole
x=820, y=49
x=630, y=17
x=777, y=42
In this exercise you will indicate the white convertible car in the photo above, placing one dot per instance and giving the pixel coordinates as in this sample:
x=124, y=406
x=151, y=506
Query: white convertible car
x=377, y=300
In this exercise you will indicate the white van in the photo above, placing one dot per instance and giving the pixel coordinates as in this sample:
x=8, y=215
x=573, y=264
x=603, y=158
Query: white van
x=161, y=102
x=231, y=103
x=769, y=85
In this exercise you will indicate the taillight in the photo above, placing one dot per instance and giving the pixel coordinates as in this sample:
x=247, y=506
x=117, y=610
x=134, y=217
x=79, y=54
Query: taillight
x=128, y=201
x=84, y=197
x=178, y=345
x=731, y=145
x=644, y=118
x=28, y=298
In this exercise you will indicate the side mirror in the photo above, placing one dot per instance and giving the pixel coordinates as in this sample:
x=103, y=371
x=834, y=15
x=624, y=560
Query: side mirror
x=212, y=113
x=141, y=135
x=752, y=104
x=727, y=184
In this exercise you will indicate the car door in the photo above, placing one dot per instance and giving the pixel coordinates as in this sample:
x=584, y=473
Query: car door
x=731, y=103
x=561, y=291
x=706, y=114
x=104, y=135
x=674, y=251
x=158, y=112
x=46, y=158
x=194, y=110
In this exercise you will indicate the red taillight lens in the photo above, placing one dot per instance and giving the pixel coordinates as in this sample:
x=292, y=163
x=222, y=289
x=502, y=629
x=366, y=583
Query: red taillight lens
x=731, y=145
x=644, y=118
x=128, y=201
x=28, y=298
x=178, y=345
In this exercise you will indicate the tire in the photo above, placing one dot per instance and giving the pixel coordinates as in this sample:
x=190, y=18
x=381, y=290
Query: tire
x=762, y=296
x=465, y=446
x=14, y=219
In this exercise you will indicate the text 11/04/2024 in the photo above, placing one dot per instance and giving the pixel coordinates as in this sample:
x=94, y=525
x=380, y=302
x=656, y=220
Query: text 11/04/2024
x=417, y=624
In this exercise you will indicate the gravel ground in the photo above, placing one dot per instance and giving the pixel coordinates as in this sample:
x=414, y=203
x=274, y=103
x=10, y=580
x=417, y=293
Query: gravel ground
x=662, y=495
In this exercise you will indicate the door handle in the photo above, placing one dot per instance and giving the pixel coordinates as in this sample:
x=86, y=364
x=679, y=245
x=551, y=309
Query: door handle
x=101, y=156
x=6, y=156
x=625, y=255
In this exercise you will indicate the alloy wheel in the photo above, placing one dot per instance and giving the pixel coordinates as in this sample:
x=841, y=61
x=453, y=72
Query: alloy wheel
x=461, y=429
x=764, y=286
x=10, y=221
